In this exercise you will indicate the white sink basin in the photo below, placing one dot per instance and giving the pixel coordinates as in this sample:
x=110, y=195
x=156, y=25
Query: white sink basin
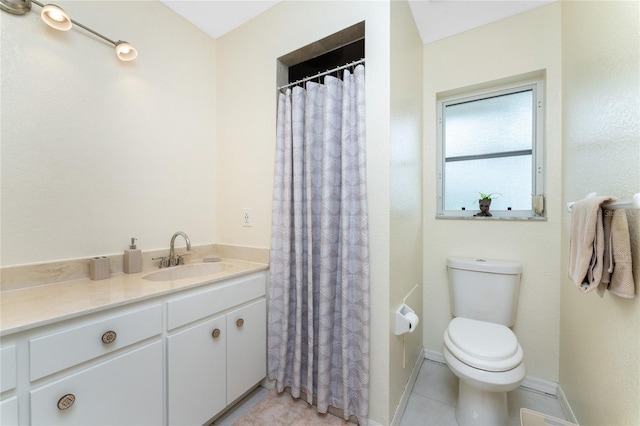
x=185, y=271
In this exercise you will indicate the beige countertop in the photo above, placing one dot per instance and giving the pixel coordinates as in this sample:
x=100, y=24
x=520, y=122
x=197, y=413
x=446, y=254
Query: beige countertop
x=27, y=308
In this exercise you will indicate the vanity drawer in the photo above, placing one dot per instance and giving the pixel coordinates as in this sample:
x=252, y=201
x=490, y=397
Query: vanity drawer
x=85, y=341
x=202, y=304
x=7, y=368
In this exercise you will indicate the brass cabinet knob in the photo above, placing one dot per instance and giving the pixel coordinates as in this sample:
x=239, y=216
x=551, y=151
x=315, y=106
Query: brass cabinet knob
x=66, y=401
x=215, y=333
x=109, y=337
x=240, y=322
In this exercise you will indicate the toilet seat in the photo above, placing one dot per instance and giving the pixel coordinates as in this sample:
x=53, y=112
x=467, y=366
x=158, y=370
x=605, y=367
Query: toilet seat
x=483, y=345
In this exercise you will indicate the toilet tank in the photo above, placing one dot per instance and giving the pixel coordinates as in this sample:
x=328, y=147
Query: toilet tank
x=484, y=289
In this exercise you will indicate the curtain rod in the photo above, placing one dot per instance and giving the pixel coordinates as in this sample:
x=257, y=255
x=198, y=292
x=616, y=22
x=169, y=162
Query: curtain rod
x=350, y=64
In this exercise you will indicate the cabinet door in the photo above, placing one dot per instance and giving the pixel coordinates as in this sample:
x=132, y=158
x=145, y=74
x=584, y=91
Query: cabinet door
x=126, y=390
x=246, y=348
x=8, y=368
x=197, y=380
x=9, y=411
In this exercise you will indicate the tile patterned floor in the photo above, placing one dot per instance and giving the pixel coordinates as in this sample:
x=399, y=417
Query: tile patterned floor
x=432, y=401
x=242, y=407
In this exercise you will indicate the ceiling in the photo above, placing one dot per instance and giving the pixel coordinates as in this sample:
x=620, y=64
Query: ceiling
x=435, y=19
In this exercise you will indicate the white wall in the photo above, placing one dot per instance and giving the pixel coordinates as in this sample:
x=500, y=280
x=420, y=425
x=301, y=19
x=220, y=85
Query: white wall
x=95, y=150
x=522, y=44
x=406, y=195
x=246, y=94
x=600, y=337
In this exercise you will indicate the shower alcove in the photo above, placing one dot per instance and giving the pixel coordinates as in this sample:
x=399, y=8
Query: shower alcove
x=335, y=50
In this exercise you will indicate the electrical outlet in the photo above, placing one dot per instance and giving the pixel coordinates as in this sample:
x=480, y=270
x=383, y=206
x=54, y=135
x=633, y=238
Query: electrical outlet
x=246, y=217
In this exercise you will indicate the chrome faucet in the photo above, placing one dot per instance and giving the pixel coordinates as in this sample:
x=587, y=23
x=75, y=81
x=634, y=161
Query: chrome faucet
x=174, y=259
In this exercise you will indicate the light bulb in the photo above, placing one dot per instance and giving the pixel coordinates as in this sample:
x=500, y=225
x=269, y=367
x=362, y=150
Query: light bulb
x=125, y=51
x=55, y=17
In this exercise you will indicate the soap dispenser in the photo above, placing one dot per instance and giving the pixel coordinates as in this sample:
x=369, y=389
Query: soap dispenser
x=132, y=259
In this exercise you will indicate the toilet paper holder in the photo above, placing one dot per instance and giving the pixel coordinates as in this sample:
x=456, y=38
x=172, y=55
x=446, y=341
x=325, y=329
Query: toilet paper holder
x=406, y=320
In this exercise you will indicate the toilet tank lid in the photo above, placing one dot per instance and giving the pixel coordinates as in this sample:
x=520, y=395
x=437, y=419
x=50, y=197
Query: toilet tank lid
x=485, y=265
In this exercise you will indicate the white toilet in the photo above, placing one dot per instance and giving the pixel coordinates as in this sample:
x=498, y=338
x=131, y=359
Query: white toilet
x=479, y=347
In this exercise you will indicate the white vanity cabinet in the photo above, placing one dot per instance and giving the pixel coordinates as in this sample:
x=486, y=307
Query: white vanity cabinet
x=174, y=359
x=221, y=353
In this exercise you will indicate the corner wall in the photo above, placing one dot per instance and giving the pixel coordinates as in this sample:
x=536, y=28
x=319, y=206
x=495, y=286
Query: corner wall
x=405, y=199
x=600, y=337
x=525, y=43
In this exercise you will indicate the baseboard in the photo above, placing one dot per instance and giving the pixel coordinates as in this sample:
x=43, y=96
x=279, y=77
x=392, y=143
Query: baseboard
x=564, y=403
x=374, y=423
x=267, y=383
x=404, y=399
x=435, y=356
x=530, y=383
x=540, y=385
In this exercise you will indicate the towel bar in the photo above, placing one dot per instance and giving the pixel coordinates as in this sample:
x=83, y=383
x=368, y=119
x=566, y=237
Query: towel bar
x=628, y=203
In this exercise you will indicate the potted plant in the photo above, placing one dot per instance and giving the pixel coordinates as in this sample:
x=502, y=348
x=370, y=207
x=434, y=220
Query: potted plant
x=485, y=203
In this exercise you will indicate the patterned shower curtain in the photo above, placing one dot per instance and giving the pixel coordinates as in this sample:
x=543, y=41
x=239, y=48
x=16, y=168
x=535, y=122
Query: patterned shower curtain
x=319, y=289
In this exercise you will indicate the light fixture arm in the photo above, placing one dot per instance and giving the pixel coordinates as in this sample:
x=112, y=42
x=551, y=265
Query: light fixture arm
x=92, y=31
x=124, y=50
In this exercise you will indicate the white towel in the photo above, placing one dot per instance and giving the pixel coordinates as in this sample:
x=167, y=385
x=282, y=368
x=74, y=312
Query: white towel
x=586, y=244
x=617, y=276
x=599, y=245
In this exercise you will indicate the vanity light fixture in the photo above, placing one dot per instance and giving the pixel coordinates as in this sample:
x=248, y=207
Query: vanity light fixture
x=57, y=18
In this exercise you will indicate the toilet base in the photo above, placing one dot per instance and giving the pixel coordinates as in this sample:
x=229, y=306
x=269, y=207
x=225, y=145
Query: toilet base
x=477, y=407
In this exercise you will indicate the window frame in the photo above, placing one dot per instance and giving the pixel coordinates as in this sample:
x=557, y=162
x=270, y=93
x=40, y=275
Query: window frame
x=538, y=210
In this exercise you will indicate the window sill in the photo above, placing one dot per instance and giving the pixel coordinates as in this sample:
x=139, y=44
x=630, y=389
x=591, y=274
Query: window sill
x=510, y=218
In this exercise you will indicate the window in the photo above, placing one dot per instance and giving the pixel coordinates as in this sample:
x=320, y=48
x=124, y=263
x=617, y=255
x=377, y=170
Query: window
x=492, y=142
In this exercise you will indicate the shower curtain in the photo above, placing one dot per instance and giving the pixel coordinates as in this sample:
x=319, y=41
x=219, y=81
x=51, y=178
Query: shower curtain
x=318, y=324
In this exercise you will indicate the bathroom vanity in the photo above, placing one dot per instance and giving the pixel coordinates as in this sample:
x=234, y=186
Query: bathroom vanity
x=139, y=352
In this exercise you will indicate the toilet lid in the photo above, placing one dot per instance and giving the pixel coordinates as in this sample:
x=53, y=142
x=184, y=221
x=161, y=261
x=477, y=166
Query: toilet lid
x=483, y=345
